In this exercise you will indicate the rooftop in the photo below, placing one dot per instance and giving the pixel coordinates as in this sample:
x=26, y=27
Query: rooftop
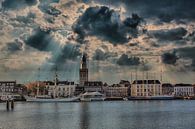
x=146, y=82
x=182, y=84
x=93, y=83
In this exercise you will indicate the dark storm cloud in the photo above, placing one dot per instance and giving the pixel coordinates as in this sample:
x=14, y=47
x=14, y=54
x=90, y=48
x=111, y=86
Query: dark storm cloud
x=169, y=58
x=166, y=10
x=43, y=41
x=68, y=52
x=45, y=7
x=124, y=60
x=165, y=17
x=18, y=4
x=187, y=53
x=180, y=54
x=29, y=19
x=100, y=55
x=13, y=46
x=106, y=24
x=168, y=34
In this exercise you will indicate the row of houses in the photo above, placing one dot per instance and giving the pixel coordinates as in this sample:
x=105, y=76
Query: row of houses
x=138, y=88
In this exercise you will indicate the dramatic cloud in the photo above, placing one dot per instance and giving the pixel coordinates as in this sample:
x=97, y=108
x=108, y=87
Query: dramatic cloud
x=166, y=10
x=18, y=4
x=187, y=53
x=13, y=46
x=124, y=60
x=106, y=24
x=169, y=58
x=100, y=55
x=169, y=35
x=105, y=29
x=67, y=52
x=26, y=20
x=46, y=7
x=51, y=10
x=41, y=40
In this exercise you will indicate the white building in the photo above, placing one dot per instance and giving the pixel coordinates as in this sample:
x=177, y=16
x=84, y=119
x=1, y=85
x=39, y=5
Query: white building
x=183, y=90
x=60, y=89
x=144, y=88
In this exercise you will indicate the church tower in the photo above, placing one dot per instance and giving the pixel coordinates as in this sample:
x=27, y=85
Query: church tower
x=83, y=73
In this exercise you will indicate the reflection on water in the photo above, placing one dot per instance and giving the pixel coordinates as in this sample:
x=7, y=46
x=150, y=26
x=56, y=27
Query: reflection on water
x=100, y=115
x=84, y=116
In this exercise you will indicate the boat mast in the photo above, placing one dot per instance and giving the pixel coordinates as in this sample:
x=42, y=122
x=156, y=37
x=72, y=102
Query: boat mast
x=38, y=82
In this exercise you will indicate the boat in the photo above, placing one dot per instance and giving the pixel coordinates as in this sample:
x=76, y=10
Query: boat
x=92, y=96
x=50, y=99
x=125, y=99
x=160, y=97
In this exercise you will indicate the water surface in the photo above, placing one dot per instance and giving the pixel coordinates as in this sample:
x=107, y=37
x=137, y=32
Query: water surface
x=100, y=115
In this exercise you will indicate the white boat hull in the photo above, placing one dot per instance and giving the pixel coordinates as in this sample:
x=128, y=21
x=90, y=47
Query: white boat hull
x=91, y=99
x=74, y=99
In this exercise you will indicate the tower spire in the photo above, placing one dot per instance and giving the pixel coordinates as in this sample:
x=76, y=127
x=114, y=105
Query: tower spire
x=83, y=73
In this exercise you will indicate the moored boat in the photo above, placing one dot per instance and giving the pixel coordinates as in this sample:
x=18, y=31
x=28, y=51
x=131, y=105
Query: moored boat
x=92, y=96
x=49, y=99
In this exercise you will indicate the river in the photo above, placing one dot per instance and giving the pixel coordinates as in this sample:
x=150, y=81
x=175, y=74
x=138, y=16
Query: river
x=174, y=114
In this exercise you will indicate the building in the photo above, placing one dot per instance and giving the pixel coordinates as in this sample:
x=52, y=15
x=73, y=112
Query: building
x=32, y=88
x=7, y=86
x=183, y=90
x=116, y=90
x=83, y=72
x=167, y=89
x=144, y=88
x=12, y=87
x=93, y=86
x=60, y=89
x=126, y=83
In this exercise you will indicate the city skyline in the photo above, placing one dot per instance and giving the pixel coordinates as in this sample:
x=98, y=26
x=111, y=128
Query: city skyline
x=124, y=37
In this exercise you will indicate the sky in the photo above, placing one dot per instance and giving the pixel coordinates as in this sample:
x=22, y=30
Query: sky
x=122, y=38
